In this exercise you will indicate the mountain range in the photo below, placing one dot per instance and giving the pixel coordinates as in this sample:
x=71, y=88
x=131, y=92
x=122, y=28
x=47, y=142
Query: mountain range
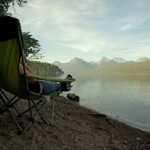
x=103, y=60
x=105, y=65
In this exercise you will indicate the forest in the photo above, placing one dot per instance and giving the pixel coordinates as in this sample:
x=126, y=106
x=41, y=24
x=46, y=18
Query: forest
x=45, y=69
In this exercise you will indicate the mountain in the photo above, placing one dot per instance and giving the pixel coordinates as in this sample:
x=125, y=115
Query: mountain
x=105, y=60
x=142, y=59
x=119, y=60
x=75, y=66
x=105, y=65
x=82, y=63
x=76, y=62
x=128, y=68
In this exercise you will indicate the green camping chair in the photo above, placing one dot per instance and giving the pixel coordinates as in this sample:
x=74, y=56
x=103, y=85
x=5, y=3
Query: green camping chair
x=11, y=49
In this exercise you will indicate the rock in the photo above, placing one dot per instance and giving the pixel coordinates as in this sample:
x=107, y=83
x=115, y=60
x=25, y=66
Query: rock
x=73, y=97
x=138, y=139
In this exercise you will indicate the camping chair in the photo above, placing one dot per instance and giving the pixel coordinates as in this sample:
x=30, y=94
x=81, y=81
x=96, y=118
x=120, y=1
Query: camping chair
x=11, y=49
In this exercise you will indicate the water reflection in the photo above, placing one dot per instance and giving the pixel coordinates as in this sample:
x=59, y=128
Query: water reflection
x=125, y=96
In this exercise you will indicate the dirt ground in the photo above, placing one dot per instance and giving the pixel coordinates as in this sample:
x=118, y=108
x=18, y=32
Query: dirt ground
x=75, y=128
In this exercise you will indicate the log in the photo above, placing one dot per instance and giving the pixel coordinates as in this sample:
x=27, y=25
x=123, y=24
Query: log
x=73, y=97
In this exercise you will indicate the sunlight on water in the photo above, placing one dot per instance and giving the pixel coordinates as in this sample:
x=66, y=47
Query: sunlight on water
x=119, y=97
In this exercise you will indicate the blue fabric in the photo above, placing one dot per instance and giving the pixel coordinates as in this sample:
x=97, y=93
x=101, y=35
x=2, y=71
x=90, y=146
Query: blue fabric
x=49, y=87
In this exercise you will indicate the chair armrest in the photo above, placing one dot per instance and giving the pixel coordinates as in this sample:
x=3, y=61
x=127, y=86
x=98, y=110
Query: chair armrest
x=50, y=78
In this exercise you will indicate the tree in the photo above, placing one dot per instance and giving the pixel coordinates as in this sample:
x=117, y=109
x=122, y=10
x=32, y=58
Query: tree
x=5, y=4
x=19, y=2
x=45, y=69
x=3, y=7
x=32, y=47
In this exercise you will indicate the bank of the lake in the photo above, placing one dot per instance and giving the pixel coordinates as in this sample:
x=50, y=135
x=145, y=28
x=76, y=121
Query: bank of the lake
x=75, y=127
x=124, y=97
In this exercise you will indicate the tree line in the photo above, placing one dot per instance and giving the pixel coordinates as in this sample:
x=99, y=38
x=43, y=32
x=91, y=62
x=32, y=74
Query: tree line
x=45, y=69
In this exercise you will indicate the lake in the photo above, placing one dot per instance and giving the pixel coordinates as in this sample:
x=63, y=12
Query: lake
x=126, y=98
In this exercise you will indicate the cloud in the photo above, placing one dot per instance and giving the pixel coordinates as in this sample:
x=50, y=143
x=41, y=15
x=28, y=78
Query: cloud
x=132, y=22
x=88, y=26
x=62, y=22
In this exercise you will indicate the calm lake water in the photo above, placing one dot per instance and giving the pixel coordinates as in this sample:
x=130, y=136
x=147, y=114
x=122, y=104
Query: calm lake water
x=121, y=97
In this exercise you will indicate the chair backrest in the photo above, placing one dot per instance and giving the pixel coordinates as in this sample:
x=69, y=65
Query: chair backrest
x=11, y=50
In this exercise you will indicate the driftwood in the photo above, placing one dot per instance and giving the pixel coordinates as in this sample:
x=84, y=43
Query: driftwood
x=73, y=97
x=103, y=116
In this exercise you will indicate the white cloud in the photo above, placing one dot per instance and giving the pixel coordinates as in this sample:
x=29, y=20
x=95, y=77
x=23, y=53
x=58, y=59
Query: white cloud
x=66, y=22
x=89, y=26
x=131, y=22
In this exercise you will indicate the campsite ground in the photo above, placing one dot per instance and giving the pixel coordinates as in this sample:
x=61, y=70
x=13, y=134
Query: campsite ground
x=75, y=128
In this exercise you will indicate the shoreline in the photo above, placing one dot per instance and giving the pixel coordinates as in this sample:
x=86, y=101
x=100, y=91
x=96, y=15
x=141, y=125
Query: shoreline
x=75, y=127
x=132, y=124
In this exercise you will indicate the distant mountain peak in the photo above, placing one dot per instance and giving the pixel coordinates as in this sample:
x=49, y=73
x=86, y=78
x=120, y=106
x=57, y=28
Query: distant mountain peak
x=76, y=60
x=103, y=60
x=142, y=59
x=119, y=60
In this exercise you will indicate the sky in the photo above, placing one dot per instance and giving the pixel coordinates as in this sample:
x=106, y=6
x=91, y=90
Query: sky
x=87, y=29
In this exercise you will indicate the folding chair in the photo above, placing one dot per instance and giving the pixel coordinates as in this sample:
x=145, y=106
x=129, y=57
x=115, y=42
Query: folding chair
x=11, y=49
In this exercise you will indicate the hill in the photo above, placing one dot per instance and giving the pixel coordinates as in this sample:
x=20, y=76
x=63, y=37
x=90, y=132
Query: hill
x=76, y=66
x=141, y=68
x=106, y=66
x=45, y=69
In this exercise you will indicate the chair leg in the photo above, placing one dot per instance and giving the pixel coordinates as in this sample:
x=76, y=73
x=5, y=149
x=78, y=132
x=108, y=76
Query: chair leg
x=33, y=117
x=52, y=117
x=34, y=110
x=9, y=102
x=38, y=109
x=4, y=98
x=16, y=122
